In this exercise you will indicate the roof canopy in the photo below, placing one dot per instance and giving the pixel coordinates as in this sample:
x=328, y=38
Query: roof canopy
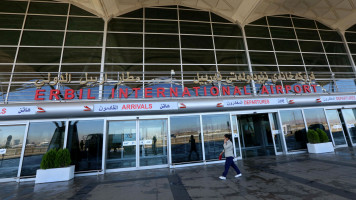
x=338, y=14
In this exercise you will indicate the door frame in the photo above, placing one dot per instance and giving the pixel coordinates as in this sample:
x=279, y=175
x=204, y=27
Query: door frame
x=268, y=112
x=343, y=132
x=137, y=156
x=347, y=128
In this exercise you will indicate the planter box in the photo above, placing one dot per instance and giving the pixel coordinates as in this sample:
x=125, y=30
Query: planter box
x=320, y=147
x=55, y=174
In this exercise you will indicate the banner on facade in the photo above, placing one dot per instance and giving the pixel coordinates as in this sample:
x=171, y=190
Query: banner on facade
x=115, y=107
x=254, y=102
x=327, y=99
x=23, y=110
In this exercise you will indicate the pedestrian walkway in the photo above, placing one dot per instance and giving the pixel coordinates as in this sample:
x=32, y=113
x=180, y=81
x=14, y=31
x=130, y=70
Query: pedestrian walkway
x=300, y=176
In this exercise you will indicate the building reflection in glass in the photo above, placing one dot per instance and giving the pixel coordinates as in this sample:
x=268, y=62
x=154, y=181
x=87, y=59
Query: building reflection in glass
x=153, y=142
x=294, y=129
x=316, y=119
x=350, y=120
x=214, y=129
x=336, y=127
x=186, y=139
x=121, y=151
x=11, y=139
x=42, y=136
x=85, y=143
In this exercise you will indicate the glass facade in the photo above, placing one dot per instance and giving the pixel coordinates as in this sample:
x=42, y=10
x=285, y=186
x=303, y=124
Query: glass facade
x=161, y=47
x=165, y=52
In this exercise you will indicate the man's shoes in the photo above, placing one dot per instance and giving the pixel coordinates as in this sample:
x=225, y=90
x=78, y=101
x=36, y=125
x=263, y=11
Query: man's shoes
x=222, y=177
x=238, y=175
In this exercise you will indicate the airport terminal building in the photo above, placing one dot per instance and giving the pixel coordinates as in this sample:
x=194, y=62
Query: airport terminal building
x=128, y=85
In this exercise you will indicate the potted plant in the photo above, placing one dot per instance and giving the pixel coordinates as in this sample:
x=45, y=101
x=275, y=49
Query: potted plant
x=55, y=166
x=319, y=142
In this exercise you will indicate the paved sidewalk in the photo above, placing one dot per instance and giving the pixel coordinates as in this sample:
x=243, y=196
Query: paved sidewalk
x=302, y=176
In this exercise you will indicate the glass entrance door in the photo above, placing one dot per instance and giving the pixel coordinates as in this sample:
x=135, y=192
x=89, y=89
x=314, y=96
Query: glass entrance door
x=256, y=135
x=336, y=128
x=136, y=143
x=350, y=122
x=276, y=133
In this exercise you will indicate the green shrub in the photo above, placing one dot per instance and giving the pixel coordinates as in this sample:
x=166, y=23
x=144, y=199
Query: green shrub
x=48, y=159
x=322, y=135
x=62, y=158
x=313, y=136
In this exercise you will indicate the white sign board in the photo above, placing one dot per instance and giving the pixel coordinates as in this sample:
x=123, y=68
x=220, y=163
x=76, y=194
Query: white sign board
x=129, y=143
x=116, y=107
x=254, y=102
x=337, y=126
x=350, y=125
x=23, y=110
x=338, y=98
x=2, y=151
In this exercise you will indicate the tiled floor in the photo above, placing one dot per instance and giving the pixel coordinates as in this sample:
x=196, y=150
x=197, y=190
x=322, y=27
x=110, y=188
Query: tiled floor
x=301, y=176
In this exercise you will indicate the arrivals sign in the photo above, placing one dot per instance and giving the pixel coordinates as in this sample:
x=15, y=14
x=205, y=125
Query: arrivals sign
x=115, y=107
x=343, y=98
x=23, y=110
x=255, y=102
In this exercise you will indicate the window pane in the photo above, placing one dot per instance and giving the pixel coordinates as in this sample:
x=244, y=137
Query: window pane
x=199, y=42
x=124, y=40
x=261, y=21
x=307, y=34
x=262, y=58
x=231, y=57
x=294, y=129
x=42, y=137
x=186, y=140
x=82, y=55
x=350, y=37
x=195, y=28
x=330, y=36
x=7, y=55
x=307, y=46
x=74, y=10
x=227, y=29
x=334, y=47
x=285, y=45
x=314, y=59
x=214, y=129
x=259, y=44
x=217, y=18
x=161, y=26
x=120, y=155
x=124, y=56
x=316, y=119
x=85, y=144
x=162, y=41
x=159, y=13
x=198, y=57
x=85, y=24
x=84, y=39
x=279, y=21
x=42, y=38
x=162, y=56
x=352, y=48
x=257, y=31
x=9, y=37
x=229, y=43
x=286, y=33
x=11, y=21
x=11, y=138
x=289, y=59
x=45, y=22
x=13, y=6
x=48, y=8
x=39, y=55
x=304, y=23
x=337, y=59
x=126, y=25
x=193, y=15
